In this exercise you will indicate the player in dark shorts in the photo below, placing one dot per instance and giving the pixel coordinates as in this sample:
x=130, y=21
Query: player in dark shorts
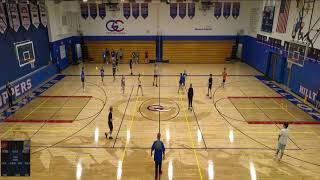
x=139, y=85
x=181, y=82
x=114, y=69
x=190, y=97
x=82, y=77
x=110, y=124
x=210, y=86
x=130, y=64
x=155, y=75
x=107, y=55
x=102, y=73
x=224, y=77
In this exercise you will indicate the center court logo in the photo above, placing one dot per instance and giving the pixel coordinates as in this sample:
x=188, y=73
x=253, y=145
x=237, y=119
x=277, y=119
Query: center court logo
x=157, y=108
x=115, y=25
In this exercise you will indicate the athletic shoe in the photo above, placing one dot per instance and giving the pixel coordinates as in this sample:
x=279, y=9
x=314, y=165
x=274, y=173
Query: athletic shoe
x=106, y=135
x=110, y=137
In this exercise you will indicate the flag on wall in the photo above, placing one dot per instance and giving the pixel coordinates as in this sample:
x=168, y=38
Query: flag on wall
x=135, y=10
x=43, y=13
x=217, y=9
x=34, y=14
x=102, y=10
x=144, y=10
x=226, y=9
x=126, y=10
x=182, y=10
x=84, y=10
x=173, y=10
x=191, y=10
x=267, y=19
x=283, y=16
x=3, y=21
x=236, y=10
x=24, y=15
x=13, y=16
x=93, y=10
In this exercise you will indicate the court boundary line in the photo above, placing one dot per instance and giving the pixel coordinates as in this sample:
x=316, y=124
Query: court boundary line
x=124, y=114
x=190, y=136
x=75, y=97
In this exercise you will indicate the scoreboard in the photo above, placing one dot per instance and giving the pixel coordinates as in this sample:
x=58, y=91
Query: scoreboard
x=15, y=158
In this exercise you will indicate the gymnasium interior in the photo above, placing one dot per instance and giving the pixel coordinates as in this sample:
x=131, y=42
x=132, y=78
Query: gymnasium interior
x=64, y=64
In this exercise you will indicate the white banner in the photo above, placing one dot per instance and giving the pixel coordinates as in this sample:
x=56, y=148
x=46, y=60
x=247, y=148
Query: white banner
x=43, y=13
x=24, y=15
x=34, y=15
x=13, y=16
x=3, y=20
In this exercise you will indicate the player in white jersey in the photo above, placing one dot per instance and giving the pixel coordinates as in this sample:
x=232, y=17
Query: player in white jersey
x=139, y=85
x=155, y=75
x=123, y=83
x=282, y=140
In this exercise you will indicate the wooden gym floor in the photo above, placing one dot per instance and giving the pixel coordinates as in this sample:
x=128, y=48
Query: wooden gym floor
x=212, y=142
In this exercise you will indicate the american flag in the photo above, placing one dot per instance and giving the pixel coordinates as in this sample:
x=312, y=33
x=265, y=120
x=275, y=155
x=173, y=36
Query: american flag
x=283, y=16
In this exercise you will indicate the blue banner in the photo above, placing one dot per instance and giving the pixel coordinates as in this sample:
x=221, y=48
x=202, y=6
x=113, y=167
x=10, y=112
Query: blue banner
x=173, y=10
x=236, y=10
x=126, y=10
x=226, y=9
x=102, y=11
x=144, y=10
x=182, y=10
x=93, y=10
x=84, y=10
x=191, y=10
x=135, y=10
x=267, y=19
x=217, y=10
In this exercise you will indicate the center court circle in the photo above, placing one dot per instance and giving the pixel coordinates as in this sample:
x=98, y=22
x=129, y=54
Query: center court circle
x=150, y=109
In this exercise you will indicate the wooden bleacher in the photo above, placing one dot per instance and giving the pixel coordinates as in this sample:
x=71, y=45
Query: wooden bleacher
x=96, y=48
x=197, y=51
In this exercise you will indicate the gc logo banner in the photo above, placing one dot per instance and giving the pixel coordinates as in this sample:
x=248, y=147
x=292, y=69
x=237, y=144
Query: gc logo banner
x=114, y=25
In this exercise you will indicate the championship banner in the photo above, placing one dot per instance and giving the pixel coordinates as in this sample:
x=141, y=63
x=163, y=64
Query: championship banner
x=226, y=9
x=102, y=10
x=126, y=10
x=84, y=10
x=191, y=10
x=144, y=10
x=236, y=10
x=43, y=13
x=3, y=22
x=93, y=10
x=267, y=19
x=24, y=15
x=34, y=14
x=173, y=10
x=182, y=10
x=13, y=16
x=217, y=10
x=135, y=10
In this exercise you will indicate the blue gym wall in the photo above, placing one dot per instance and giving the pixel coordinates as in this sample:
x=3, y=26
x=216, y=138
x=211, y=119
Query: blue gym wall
x=9, y=68
x=258, y=55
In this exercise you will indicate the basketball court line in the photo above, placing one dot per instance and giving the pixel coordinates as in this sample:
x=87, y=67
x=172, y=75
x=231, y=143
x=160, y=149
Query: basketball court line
x=172, y=148
x=173, y=75
x=190, y=137
x=124, y=114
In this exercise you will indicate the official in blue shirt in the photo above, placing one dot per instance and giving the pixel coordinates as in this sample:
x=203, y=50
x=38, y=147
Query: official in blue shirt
x=158, y=149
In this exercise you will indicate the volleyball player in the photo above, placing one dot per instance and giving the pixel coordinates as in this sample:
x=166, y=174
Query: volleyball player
x=82, y=76
x=155, y=76
x=102, y=73
x=210, y=86
x=123, y=83
x=130, y=64
x=282, y=140
x=110, y=124
x=181, y=82
x=139, y=85
x=114, y=69
x=224, y=77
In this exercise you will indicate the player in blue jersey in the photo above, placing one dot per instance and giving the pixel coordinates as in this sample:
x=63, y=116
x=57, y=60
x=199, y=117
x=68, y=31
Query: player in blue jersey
x=181, y=82
x=82, y=76
x=114, y=69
